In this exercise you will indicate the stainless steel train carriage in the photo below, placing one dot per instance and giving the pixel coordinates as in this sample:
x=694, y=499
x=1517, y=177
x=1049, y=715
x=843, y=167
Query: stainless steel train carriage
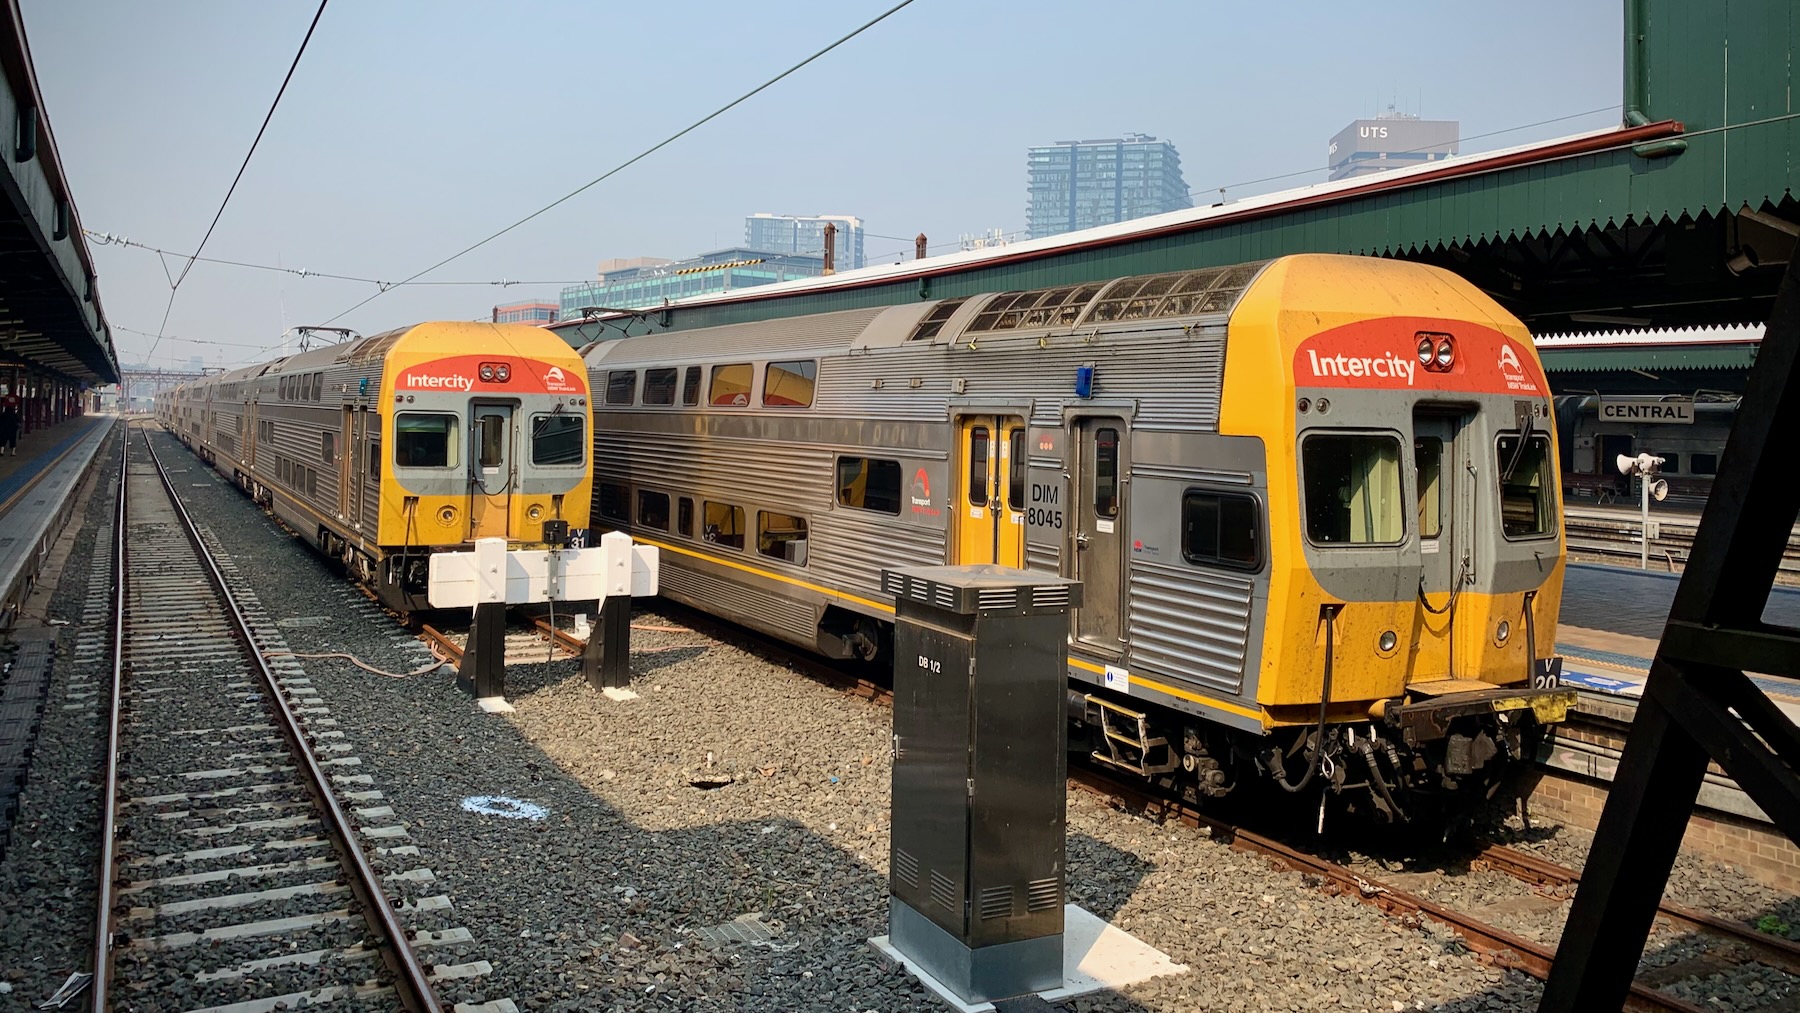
x=1313, y=501
x=383, y=450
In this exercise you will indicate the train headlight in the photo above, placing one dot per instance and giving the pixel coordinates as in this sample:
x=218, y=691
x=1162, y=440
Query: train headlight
x=1446, y=353
x=487, y=373
x=1303, y=404
x=503, y=372
x=1502, y=632
x=1388, y=642
x=1426, y=350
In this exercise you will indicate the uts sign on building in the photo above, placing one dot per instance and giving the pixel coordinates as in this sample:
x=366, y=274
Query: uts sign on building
x=1646, y=409
x=1390, y=142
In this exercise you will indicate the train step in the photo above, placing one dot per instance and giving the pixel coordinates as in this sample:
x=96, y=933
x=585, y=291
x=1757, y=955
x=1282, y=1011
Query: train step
x=1129, y=744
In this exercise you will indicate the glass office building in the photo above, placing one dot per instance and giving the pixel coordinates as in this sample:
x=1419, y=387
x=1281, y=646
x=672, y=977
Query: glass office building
x=708, y=274
x=1080, y=184
x=805, y=235
x=531, y=312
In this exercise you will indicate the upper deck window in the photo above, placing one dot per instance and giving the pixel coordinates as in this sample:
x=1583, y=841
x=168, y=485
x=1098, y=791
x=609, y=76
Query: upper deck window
x=1527, y=492
x=659, y=386
x=557, y=439
x=789, y=384
x=730, y=387
x=690, y=386
x=1352, y=486
x=621, y=386
x=426, y=440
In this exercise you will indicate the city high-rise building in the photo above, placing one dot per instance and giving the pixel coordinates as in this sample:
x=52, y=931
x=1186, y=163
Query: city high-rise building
x=653, y=284
x=531, y=311
x=1081, y=184
x=1390, y=141
x=804, y=235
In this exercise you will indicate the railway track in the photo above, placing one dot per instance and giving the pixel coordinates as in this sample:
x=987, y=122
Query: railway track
x=231, y=878
x=1612, y=536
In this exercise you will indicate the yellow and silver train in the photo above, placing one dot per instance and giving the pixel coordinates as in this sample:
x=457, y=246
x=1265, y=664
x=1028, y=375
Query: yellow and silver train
x=383, y=450
x=1313, y=502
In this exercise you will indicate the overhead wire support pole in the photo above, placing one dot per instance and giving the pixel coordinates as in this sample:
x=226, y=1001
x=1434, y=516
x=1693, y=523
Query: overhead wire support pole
x=646, y=153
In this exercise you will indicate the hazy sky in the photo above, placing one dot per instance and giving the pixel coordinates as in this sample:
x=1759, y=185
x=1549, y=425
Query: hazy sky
x=413, y=129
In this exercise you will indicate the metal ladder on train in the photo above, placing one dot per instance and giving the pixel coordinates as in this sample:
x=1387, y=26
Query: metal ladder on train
x=1129, y=744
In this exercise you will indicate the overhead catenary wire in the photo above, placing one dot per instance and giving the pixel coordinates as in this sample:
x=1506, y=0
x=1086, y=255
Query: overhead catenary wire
x=110, y=239
x=640, y=156
x=175, y=286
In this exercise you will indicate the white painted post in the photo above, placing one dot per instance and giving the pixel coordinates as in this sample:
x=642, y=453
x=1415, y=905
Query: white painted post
x=1644, y=524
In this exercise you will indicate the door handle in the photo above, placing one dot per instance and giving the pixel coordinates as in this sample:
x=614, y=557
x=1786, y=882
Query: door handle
x=1081, y=540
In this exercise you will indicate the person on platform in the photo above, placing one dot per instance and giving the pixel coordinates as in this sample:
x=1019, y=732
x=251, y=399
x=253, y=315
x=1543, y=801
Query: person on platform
x=10, y=423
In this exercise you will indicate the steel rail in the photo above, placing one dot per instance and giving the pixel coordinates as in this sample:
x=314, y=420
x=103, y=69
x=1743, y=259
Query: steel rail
x=439, y=640
x=1496, y=945
x=1776, y=951
x=410, y=979
x=109, y=797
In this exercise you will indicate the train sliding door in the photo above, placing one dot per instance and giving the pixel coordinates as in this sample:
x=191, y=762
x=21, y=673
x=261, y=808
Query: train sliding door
x=990, y=490
x=1099, y=461
x=491, y=471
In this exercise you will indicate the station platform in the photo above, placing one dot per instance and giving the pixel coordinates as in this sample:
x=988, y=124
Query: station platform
x=37, y=490
x=1612, y=618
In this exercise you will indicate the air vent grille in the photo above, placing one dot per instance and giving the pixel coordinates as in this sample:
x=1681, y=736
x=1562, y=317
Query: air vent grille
x=1043, y=894
x=943, y=891
x=906, y=868
x=996, y=902
x=999, y=598
x=1050, y=595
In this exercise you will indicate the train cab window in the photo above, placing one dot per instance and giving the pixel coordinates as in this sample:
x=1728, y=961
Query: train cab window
x=1015, y=469
x=1527, y=490
x=1703, y=464
x=557, y=439
x=730, y=386
x=869, y=484
x=690, y=386
x=328, y=447
x=724, y=525
x=978, y=466
x=614, y=502
x=1221, y=529
x=621, y=386
x=684, y=516
x=789, y=384
x=659, y=386
x=425, y=440
x=653, y=509
x=781, y=536
x=1352, y=489
x=1106, y=473
x=1428, y=458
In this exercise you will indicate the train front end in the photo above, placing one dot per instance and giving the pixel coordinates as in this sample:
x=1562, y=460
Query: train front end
x=488, y=432
x=1416, y=534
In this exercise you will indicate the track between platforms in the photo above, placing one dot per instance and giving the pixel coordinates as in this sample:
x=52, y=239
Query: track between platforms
x=1612, y=536
x=212, y=784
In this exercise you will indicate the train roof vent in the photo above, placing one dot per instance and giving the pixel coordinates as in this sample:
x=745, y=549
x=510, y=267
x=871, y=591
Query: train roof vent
x=1189, y=293
x=1051, y=307
x=929, y=327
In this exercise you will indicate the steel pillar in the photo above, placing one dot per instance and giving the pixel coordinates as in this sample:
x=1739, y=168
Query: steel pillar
x=606, y=660
x=1697, y=702
x=482, y=673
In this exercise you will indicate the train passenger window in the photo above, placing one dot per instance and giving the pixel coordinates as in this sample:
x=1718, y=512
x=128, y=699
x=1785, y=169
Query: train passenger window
x=653, y=509
x=375, y=460
x=614, y=503
x=621, y=386
x=659, y=386
x=1671, y=462
x=730, y=387
x=1527, y=494
x=1428, y=458
x=328, y=447
x=1703, y=464
x=690, y=386
x=781, y=536
x=492, y=433
x=423, y=440
x=557, y=439
x=978, y=466
x=1015, y=469
x=789, y=384
x=1106, y=473
x=684, y=516
x=869, y=484
x=1221, y=529
x=724, y=525
x=1352, y=489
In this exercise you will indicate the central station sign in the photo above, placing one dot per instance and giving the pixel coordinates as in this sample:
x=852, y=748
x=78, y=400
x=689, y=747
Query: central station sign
x=1646, y=409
